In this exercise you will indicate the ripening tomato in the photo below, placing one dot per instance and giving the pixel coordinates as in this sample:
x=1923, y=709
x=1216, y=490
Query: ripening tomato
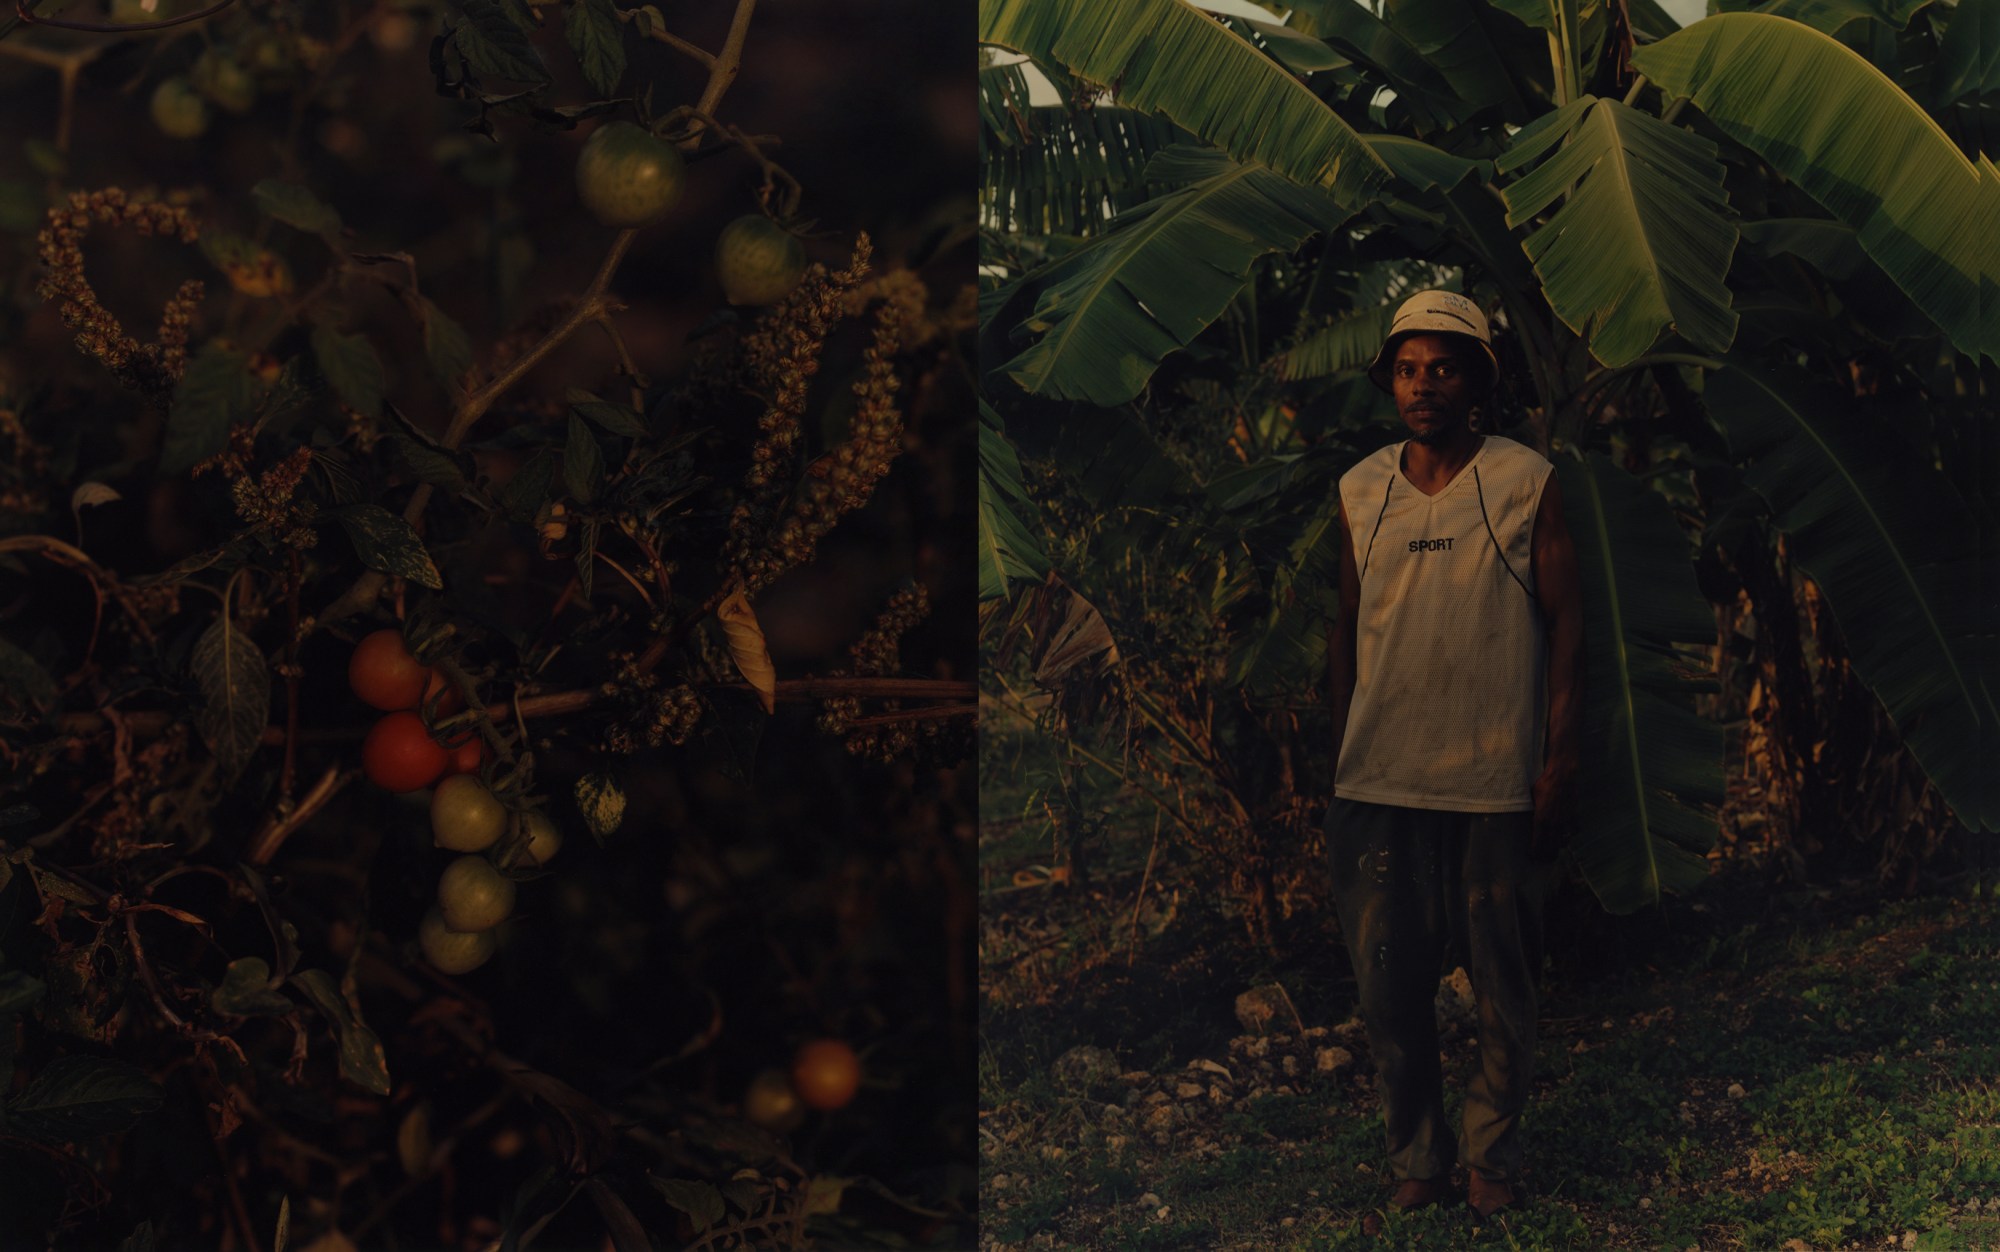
x=826, y=1073
x=770, y=1102
x=384, y=674
x=544, y=839
x=465, y=816
x=400, y=755
x=473, y=895
x=627, y=176
x=758, y=261
x=453, y=951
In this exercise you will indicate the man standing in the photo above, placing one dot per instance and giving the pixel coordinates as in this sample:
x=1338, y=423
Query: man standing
x=1457, y=673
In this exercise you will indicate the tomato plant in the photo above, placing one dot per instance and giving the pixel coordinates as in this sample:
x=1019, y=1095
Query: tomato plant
x=345, y=452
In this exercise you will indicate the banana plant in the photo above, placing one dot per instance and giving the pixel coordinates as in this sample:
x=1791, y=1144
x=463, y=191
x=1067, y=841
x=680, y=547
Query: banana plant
x=1676, y=247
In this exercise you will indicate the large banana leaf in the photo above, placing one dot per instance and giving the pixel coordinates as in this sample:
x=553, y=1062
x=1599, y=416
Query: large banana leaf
x=1846, y=134
x=1393, y=61
x=1348, y=344
x=1644, y=237
x=1008, y=547
x=1073, y=171
x=1833, y=17
x=1170, y=57
x=1110, y=311
x=1967, y=76
x=1651, y=767
x=1896, y=552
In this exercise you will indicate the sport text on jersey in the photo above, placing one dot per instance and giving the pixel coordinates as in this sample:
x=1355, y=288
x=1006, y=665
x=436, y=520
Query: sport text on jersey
x=1430, y=545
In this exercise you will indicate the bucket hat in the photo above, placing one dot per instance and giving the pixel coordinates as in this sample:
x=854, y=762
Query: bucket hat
x=1434, y=312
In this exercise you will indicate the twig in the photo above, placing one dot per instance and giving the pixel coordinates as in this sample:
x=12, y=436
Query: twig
x=265, y=843
x=24, y=10
x=662, y=35
x=922, y=713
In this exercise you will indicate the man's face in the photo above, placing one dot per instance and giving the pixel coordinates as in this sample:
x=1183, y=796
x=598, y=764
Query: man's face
x=1434, y=382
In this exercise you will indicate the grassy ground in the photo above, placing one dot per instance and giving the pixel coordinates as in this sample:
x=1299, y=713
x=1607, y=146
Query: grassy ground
x=1814, y=1071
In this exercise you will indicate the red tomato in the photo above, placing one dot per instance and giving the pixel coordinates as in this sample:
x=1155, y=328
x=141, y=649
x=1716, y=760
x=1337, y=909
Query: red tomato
x=826, y=1073
x=384, y=674
x=400, y=755
x=468, y=754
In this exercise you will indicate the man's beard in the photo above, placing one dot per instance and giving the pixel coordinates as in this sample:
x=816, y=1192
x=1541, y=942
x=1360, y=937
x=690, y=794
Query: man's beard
x=1434, y=436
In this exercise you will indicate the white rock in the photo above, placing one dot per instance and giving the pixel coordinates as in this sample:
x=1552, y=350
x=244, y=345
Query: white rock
x=1162, y=1214
x=1149, y=1201
x=1189, y=1090
x=1213, y=1068
x=1290, y=1064
x=1736, y=1091
x=1000, y=1182
x=1645, y=1202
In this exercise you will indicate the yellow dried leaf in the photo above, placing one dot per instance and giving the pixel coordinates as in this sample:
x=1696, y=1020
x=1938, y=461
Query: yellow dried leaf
x=746, y=645
x=413, y=1141
x=261, y=274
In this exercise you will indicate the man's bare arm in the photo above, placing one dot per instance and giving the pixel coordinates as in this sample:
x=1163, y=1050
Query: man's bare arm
x=1340, y=663
x=1561, y=595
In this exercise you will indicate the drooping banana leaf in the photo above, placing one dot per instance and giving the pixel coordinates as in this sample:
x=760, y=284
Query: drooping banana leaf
x=1108, y=313
x=1301, y=54
x=1966, y=78
x=1391, y=60
x=1572, y=49
x=1075, y=170
x=1651, y=768
x=1170, y=57
x=1643, y=240
x=1851, y=139
x=1009, y=549
x=1004, y=101
x=1832, y=17
x=1349, y=343
x=1894, y=548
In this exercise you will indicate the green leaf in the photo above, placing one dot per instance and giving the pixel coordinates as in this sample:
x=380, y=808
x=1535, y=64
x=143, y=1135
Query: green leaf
x=213, y=392
x=699, y=1200
x=495, y=46
x=1651, y=768
x=1110, y=311
x=1782, y=89
x=19, y=992
x=528, y=490
x=1172, y=58
x=1896, y=552
x=447, y=346
x=362, y=1061
x=598, y=39
x=1644, y=238
x=583, y=464
x=23, y=681
x=1009, y=548
x=141, y=1239
x=296, y=206
x=614, y=419
x=386, y=542
x=79, y=1097
x=351, y=368
x=1070, y=172
x=602, y=803
x=1350, y=343
x=428, y=464
x=236, y=691
x=23, y=207
x=586, y=556
x=246, y=991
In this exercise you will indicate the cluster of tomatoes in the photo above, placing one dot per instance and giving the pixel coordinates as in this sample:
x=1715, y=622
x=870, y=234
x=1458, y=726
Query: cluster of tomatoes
x=825, y=1074
x=400, y=754
x=628, y=177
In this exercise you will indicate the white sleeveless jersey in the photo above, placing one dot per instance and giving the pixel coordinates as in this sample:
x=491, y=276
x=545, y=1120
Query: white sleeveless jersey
x=1449, y=699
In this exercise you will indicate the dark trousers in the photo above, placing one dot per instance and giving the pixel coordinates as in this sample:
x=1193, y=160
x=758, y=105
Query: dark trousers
x=1412, y=886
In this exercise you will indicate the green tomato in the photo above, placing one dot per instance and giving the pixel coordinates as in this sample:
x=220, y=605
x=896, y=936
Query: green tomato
x=223, y=80
x=627, y=177
x=544, y=840
x=178, y=109
x=473, y=895
x=465, y=816
x=452, y=951
x=758, y=260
